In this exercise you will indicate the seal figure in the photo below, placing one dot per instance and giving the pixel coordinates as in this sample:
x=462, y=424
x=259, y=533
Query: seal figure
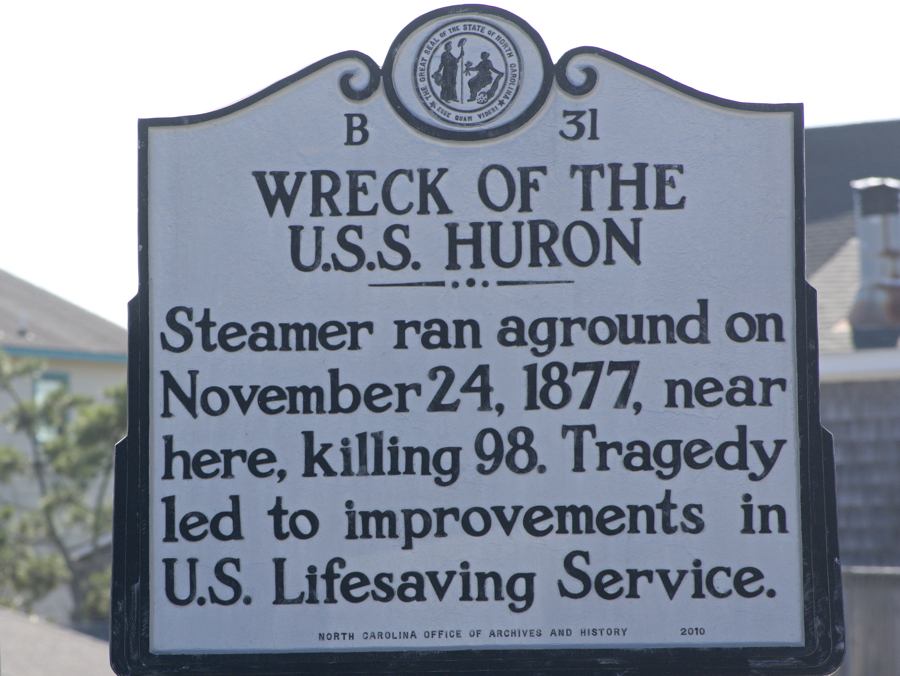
x=445, y=75
x=483, y=77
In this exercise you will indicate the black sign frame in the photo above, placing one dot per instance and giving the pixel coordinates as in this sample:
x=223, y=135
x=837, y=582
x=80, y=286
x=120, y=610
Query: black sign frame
x=823, y=619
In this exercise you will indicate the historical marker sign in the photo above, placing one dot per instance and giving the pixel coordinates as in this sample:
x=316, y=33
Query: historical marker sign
x=472, y=362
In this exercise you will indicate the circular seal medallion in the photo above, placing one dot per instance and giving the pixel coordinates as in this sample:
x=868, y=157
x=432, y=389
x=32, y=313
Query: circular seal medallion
x=467, y=72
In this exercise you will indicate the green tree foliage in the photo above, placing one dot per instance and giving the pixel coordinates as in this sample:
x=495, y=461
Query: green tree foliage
x=67, y=455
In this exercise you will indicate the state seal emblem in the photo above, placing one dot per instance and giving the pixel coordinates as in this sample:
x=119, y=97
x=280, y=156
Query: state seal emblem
x=464, y=73
x=467, y=72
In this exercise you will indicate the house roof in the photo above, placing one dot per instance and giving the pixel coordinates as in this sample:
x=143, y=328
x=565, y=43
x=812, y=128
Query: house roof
x=836, y=282
x=35, y=322
x=826, y=237
x=33, y=647
x=837, y=155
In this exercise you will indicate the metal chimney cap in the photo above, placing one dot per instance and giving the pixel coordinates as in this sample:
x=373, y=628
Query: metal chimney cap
x=877, y=195
x=875, y=182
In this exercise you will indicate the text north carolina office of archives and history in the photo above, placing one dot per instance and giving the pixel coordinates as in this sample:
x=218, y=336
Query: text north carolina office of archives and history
x=474, y=361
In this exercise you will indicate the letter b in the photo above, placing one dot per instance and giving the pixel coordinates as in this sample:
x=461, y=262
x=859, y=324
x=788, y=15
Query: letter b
x=356, y=124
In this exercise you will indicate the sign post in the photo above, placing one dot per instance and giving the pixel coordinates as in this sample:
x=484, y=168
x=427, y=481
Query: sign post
x=474, y=362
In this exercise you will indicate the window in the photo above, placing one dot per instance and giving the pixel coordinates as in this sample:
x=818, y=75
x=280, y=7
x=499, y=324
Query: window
x=45, y=385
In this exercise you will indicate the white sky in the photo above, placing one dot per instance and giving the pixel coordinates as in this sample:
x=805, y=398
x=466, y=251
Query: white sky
x=78, y=75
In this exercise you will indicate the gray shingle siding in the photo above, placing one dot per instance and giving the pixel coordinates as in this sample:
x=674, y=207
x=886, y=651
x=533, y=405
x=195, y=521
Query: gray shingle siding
x=864, y=418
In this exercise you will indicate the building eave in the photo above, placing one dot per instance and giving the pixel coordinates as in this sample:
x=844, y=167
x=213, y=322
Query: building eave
x=64, y=355
x=875, y=364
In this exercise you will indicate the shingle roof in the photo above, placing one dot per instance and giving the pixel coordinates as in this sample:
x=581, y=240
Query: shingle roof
x=39, y=648
x=825, y=238
x=35, y=320
x=836, y=283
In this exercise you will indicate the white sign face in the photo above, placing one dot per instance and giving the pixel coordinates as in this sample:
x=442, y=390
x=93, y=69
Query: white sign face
x=474, y=352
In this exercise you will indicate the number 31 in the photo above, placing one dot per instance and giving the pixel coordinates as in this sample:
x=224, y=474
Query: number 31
x=574, y=119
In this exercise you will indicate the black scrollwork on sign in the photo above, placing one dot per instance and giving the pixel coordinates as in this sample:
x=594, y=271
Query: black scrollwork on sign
x=374, y=78
x=562, y=76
